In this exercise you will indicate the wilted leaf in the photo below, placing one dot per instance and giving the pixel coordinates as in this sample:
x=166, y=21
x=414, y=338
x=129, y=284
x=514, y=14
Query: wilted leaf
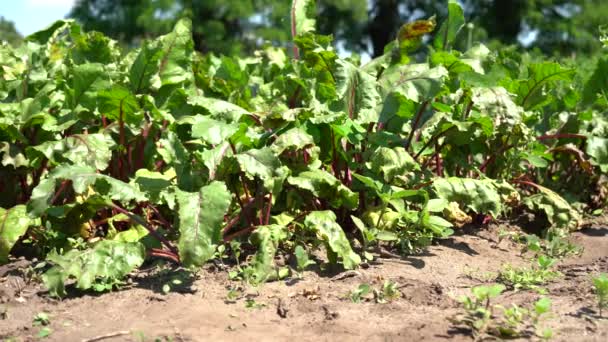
x=14, y=223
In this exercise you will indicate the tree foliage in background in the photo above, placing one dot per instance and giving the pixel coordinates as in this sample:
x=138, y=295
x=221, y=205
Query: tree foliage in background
x=8, y=32
x=226, y=26
x=237, y=26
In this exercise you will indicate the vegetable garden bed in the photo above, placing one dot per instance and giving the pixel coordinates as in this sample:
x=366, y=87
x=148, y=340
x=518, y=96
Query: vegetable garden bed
x=161, y=159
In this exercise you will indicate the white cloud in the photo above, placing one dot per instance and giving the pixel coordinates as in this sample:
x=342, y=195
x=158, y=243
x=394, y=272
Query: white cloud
x=50, y=3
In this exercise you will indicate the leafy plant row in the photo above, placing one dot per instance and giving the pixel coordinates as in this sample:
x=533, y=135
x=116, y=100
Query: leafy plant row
x=110, y=157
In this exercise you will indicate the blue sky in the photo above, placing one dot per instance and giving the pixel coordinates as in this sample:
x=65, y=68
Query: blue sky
x=30, y=16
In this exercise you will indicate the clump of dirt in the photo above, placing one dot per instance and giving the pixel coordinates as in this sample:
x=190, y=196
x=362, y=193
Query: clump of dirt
x=316, y=306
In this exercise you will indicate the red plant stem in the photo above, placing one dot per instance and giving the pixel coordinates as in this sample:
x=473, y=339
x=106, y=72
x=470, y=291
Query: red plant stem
x=160, y=217
x=528, y=183
x=241, y=175
x=62, y=187
x=428, y=161
x=467, y=110
x=24, y=189
x=232, y=236
x=294, y=98
x=104, y=121
x=422, y=185
x=233, y=221
x=237, y=218
x=348, y=177
x=130, y=149
x=438, y=160
x=561, y=136
x=416, y=122
x=39, y=172
x=121, y=125
x=334, y=158
x=142, y=146
x=260, y=199
x=100, y=222
x=268, y=209
x=164, y=254
x=432, y=140
x=146, y=225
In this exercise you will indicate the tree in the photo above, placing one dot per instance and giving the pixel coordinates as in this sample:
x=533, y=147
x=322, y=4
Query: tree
x=235, y=26
x=8, y=32
x=223, y=26
x=559, y=26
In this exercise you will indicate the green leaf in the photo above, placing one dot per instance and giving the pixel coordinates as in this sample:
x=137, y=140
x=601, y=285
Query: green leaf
x=201, y=215
x=303, y=13
x=324, y=224
x=92, y=47
x=83, y=178
x=155, y=185
x=176, y=55
x=391, y=163
x=295, y=138
x=118, y=103
x=175, y=154
x=212, y=131
x=105, y=264
x=597, y=148
x=219, y=109
x=358, y=92
x=416, y=82
x=302, y=258
x=324, y=185
x=14, y=223
x=143, y=73
x=530, y=91
x=263, y=267
x=80, y=149
x=479, y=195
x=12, y=155
x=265, y=165
x=558, y=210
x=597, y=83
x=88, y=80
x=450, y=27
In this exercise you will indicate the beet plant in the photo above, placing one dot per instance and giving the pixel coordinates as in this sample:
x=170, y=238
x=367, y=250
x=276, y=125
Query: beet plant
x=112, y=157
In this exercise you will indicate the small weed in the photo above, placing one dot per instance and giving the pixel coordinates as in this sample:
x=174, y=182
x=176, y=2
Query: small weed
x=600, y=283
x=302, y=258
x=479, y=275
x=233, y=294
x=359, y=293
x=554, y=246
x=483, y=318
x=41, y=318
x=388, y=292
x=252, y=304
x=529, y=278
x=44, y=332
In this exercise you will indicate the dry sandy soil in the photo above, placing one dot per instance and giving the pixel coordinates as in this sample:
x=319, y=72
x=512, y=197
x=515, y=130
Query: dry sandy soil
x=314, y=307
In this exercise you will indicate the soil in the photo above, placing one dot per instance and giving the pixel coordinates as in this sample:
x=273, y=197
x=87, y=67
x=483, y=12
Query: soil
x=314, y=307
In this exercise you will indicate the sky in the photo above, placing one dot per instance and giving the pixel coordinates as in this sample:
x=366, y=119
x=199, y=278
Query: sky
x=30, y=16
